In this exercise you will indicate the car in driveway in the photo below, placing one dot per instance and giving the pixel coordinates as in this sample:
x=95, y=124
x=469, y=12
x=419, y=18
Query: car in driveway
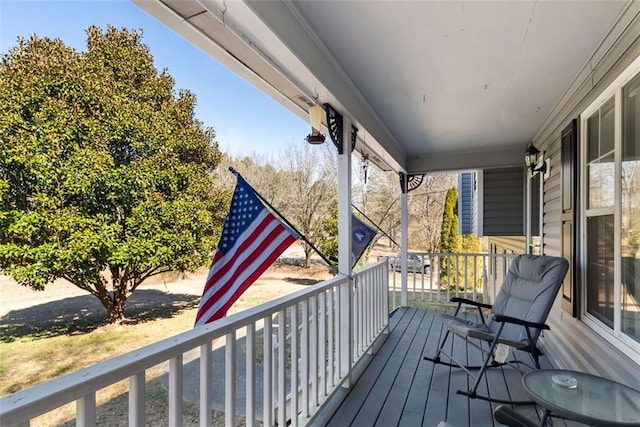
x=416, y=263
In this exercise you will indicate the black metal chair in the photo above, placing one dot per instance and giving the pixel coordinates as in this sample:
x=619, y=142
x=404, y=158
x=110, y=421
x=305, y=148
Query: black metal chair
x=517, y=317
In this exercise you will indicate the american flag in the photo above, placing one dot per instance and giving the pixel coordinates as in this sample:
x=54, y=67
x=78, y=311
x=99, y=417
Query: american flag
x=252, y=238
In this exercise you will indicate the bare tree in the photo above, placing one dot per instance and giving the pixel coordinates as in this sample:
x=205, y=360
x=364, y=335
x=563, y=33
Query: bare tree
x=309, y=190
x=426, y=204
x=379, y=198
x=301, y=182
x=258, y=171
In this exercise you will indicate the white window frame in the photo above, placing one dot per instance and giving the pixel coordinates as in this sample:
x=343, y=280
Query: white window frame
x=615, y=336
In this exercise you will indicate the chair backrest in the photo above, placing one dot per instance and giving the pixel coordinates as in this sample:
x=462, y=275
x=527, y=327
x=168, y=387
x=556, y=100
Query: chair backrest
x=528, y=291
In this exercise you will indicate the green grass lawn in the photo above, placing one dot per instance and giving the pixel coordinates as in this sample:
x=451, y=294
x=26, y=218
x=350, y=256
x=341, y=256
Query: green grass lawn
x=32, y=354
x=30, y=360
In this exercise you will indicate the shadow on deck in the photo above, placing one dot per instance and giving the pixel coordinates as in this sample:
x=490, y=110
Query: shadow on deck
x=399, y=388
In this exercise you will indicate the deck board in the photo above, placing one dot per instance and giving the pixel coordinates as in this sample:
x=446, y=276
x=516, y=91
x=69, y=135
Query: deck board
x=391, y=411
x=399, y=388
x=458, y=405
x=360, y=391
x=437, y=399
x=413, y=412
x=374, y=407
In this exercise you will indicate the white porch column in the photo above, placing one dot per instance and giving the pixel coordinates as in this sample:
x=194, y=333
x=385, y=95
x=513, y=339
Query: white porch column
x=344, y=251
x=527, y=218
x=404, y=239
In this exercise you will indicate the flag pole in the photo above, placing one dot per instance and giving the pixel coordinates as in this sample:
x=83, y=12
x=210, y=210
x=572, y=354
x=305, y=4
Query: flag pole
x=285, y=220
x=374, y=224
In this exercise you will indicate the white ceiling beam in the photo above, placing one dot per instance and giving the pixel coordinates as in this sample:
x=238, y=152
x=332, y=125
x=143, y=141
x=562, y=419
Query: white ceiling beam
x=466, y=160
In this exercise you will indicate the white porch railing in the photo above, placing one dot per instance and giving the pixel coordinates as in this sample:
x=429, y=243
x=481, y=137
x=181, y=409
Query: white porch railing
x=438, y=277
x=310, y=334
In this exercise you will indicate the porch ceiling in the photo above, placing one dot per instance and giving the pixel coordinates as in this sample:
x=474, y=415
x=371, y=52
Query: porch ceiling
x=430, y=85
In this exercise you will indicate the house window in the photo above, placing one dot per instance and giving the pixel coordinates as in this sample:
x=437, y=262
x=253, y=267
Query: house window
x=610, y=157
x=630, y=210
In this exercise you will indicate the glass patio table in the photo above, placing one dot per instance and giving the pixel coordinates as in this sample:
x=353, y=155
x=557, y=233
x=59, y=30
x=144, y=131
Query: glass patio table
x=582, y=397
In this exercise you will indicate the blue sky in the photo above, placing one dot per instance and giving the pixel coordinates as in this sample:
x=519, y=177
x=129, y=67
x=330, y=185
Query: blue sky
x=245, y=120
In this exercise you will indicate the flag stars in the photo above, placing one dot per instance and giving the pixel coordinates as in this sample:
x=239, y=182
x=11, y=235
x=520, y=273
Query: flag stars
x=244, y=209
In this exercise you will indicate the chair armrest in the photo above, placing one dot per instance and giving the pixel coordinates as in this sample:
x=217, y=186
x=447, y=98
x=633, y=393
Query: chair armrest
x=470, y=302
x=508, y=319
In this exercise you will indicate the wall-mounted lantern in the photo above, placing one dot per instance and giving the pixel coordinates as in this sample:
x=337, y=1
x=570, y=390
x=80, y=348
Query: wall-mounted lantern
x=535, y=161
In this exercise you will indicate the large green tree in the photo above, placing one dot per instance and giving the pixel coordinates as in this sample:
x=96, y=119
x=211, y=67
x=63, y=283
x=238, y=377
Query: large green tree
x=105, y=174
x=450, y=241
x=328, y=240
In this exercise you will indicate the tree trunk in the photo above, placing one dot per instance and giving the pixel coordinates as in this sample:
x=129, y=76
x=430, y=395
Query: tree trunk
x=115, y=301
x=116, y=308
x=307, y=257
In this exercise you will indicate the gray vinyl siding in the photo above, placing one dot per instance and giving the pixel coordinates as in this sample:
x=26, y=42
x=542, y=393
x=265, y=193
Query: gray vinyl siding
x=572, y=345
x=570, y=342
x=508, y=244
x=503, y=202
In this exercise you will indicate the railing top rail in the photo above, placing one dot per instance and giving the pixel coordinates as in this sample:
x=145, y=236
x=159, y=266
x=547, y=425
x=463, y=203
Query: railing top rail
x=59, y=391
x=482, y=254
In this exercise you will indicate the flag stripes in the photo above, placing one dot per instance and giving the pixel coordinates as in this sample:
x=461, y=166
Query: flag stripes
x=253, y=240
x=238, y=269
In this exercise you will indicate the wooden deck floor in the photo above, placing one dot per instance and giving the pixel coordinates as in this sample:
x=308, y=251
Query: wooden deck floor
x=399, y=388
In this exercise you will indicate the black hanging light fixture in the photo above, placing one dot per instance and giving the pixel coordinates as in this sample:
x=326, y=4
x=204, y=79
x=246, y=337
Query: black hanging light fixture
x=364, y=161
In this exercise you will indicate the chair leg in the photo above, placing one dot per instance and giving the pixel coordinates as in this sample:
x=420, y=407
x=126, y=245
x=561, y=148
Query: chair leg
x=487, y=358
x=536, y=359
x=489, y=361
x=436, y=358
x=533, y=348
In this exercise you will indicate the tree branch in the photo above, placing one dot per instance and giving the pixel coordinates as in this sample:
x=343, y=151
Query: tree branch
x=79, y=284
x=154, y=272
